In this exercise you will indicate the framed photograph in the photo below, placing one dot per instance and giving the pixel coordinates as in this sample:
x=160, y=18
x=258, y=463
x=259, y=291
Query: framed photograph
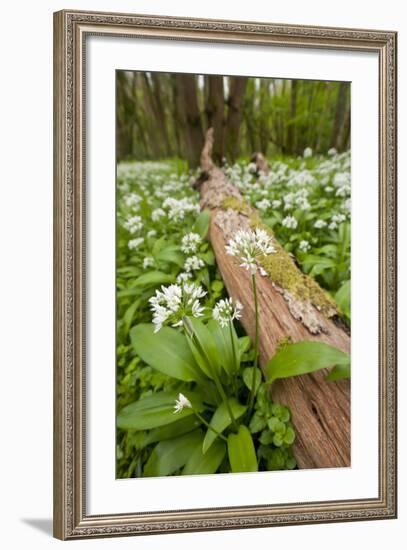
x=225, y=274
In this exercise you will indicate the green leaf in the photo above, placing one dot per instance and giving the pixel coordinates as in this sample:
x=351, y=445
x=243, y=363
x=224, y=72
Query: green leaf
x=166, y=351
x=339, y=372
x=172, y=255
x=203, y=346
x=242, y=455
x=169, y=456
x=175, y=429
x=257, y=423
x=208, y=463
x=248, y=378
x=221, y=420
x=153, y=411
x=201, y=224
x=208, y=257
x=225, y=342
x=129, y=314
x=244, y=344
x=342, y=298
x=302, y=358
x=153, y=278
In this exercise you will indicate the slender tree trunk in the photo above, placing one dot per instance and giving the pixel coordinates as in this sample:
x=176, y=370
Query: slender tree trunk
x=264, y=130
x=190, y=117
x=291, y=137
x=160, y=110
x=215, y=106
x=250, y=117
x=339, y=115
x=342, y=141
x=235, y=114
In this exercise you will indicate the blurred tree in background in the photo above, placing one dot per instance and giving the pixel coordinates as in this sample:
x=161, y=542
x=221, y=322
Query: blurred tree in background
x=162, y=115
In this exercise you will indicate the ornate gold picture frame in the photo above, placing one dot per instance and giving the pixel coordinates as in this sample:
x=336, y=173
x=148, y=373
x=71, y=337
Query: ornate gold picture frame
x=71, y=30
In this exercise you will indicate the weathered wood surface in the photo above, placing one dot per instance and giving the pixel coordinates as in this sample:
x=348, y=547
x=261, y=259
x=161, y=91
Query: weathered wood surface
x=320, y=409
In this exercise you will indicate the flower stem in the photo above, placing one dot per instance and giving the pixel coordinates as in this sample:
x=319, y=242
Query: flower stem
x=256, y=345
x=202, y=419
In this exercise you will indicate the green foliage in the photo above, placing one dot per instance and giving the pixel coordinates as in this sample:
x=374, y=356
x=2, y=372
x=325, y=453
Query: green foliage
x=205, y=463
x=302, y=358
x=241, y=451
x=221, y=420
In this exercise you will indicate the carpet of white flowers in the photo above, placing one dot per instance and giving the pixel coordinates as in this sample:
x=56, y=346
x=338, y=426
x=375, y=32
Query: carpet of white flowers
x=306, y=201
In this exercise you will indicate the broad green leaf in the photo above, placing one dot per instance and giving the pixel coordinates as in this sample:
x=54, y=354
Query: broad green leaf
x=153, y=411
x=203, y=346
x=166, y=350
x=242, y=455
x=175, y=429
x=170, y=456
x=171, y=255
x=244, y=344
x=208, y=257
x=208, y=463
x=226, y=342
x=339, y=372
x=129, y=314
x=221, y=420
x=342, y=298
x=201, y=224
x=153, y=278
x=302, y=358
x=248, y=378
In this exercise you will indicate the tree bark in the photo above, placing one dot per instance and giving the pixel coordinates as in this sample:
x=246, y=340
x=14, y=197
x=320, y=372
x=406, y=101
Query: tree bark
x=320, y=409
x=293, y=113
x=190, y=116
x=215, y=106
x=339, y=122
x=235, y=116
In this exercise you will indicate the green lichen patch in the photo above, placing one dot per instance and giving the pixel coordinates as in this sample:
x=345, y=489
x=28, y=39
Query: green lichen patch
x=239, y=205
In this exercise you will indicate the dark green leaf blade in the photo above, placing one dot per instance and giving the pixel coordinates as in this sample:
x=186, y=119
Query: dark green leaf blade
x=208, y=463
x=242, y=455
x=166, y=350
x=221, y=420
x=302, y=358
x=171, y=455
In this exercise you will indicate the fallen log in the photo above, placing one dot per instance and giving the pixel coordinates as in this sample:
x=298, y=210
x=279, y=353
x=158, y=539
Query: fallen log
x=291, y=306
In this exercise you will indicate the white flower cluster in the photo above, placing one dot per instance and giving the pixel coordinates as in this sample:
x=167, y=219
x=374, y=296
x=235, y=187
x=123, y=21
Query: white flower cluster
x=320, y=224
x=178, y=208
x=193, y=263
x=133, y=201
x=135, y=243
x=304, y=246
x=248, y=246
x=298, y=199
x=227, y=310
x=290, y=222
x=307, y=152
x=263, y=204
x=190, y=243
x=336, y=220
x=172, y=303
x=157, y=214
x=342, y=183
x=133, y=224
x=148, y=262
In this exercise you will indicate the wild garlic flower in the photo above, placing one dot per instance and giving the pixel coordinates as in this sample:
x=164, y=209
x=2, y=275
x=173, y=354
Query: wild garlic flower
x=172, y=303
x=178, y=208
x=133, y=224
x=190, y=243
x=276, y=203
x=304, y=246
x=133, y=201
x=182, y=277
x=320, y=224
x=181, y=403
x=227, y=310
x=148, y=262
x=290, y=222
x=263, y=204
x=135, y=243
x=307, y=152
x=250, y=245
x=332, y=152
x=193, y=263
x=157, y=214
x=152, y=233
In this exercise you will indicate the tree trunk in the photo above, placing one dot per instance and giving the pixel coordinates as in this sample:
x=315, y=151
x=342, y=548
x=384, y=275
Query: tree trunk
x=160, y=111
x=190, y=116
x=293, y=113
x=320, y=409
x=215, y=105
x=340, y=112
x=235, y=115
